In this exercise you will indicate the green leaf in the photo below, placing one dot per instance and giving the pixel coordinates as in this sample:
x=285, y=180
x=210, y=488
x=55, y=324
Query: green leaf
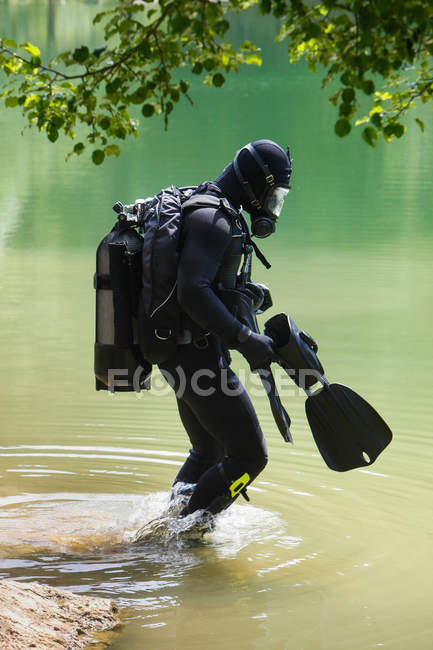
x=197, y=68
x=69, y=85
x=312, y=31
x=163, y=75
x=98, y=51
x=179, y=23
x=221, y=27
x=125, y=26
x=99, y=17
x=32, y=49
x=346, y=78
x=148, y=110
x=367, y=17
x=112, y=150
x=335, y=97
x=80, y=54
x=174, y=94
x=120, y=132
x=218, y=80
x=105, y=123
x=265, y=6
x=198, y=28
x=420, y=124
x=58, y=121
x=113, y=86
x=342, y=128
x=376, y=119
x=52, y=133
x=10, y=102
x=348, y=95
x=210, y=64
x=98, y=156
x=369, y=135
x=248, y=45
x=253, y=59
x=394, y=129
x=140, y=95
x=144, y=48
x=8, y=42
x=346, y=110
x=368, y=87
x=79, y=148
x=207, y=80
x=184, y=86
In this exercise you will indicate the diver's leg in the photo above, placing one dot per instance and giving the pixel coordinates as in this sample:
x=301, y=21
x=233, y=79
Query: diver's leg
x=222, y=407
x=233, y=421
x=205, y=451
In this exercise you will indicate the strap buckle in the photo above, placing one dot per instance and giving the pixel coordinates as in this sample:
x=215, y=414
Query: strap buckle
x=163, y=334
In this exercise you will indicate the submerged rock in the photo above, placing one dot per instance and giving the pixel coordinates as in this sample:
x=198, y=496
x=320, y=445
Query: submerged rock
x=47, y=618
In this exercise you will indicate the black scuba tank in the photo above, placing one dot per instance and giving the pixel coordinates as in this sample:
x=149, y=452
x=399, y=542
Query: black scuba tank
x=119, y=365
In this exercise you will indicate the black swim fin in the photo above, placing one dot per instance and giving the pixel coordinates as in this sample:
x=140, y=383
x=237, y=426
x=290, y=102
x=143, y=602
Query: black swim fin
x=347, y=430
x=281, y=417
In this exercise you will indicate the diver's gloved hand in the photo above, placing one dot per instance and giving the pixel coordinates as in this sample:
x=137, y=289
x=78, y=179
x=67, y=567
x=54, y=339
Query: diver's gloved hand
x=257, y=349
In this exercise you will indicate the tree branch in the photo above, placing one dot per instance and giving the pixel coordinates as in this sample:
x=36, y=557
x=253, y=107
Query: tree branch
x=152, y=30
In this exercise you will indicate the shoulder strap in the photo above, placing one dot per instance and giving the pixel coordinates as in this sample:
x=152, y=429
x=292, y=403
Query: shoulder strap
x=221, y=203
x=210, y=201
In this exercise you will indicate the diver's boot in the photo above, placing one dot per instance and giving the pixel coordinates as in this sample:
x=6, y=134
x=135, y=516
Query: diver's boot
x=180, y=494
x=204, y=523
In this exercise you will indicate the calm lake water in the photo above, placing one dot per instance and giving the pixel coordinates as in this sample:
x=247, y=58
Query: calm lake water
x=318, y=560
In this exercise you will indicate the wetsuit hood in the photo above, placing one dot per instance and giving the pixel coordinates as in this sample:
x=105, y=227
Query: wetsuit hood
x=260, y=170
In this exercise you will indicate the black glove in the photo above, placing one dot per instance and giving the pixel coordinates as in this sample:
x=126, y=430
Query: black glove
x=257, y=349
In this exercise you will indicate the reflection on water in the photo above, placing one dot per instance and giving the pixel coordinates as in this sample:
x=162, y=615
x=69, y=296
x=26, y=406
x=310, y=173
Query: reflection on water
x=318, y=559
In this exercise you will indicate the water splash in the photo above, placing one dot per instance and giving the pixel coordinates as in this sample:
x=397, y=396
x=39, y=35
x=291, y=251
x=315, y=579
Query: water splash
x=172, y=528
x=169, y=527
x=93, y=523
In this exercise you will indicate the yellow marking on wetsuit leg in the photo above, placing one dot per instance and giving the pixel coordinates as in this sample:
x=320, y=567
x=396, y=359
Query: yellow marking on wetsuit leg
x=238, y=485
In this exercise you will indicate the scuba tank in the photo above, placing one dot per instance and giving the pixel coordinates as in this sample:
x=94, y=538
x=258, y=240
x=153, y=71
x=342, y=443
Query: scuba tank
x=119, y=364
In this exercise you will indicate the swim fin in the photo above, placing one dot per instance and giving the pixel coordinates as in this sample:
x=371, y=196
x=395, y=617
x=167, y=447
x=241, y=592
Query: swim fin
x=347, y=430
x=281, y=417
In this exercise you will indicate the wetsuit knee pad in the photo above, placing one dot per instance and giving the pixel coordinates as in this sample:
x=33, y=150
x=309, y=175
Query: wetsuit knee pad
x=238, y=474
x=223, y=483
x=258, y=465
x=251, y=466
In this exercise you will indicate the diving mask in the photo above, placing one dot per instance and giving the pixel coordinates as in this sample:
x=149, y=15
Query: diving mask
x=273, y=203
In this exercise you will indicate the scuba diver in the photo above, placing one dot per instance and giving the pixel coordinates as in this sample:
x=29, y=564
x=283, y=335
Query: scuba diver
x=228, y=448
x=179, y=294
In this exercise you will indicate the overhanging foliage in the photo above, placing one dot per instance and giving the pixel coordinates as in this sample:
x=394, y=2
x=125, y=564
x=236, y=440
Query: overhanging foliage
x=381, y=49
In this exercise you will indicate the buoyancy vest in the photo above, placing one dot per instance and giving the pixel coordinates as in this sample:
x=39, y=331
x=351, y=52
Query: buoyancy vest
x=138, y=318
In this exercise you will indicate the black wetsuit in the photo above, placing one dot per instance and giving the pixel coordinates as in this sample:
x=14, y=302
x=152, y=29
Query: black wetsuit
x=228, y=447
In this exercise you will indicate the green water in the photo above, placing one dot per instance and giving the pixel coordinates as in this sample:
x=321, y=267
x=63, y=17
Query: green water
x=318, y=560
